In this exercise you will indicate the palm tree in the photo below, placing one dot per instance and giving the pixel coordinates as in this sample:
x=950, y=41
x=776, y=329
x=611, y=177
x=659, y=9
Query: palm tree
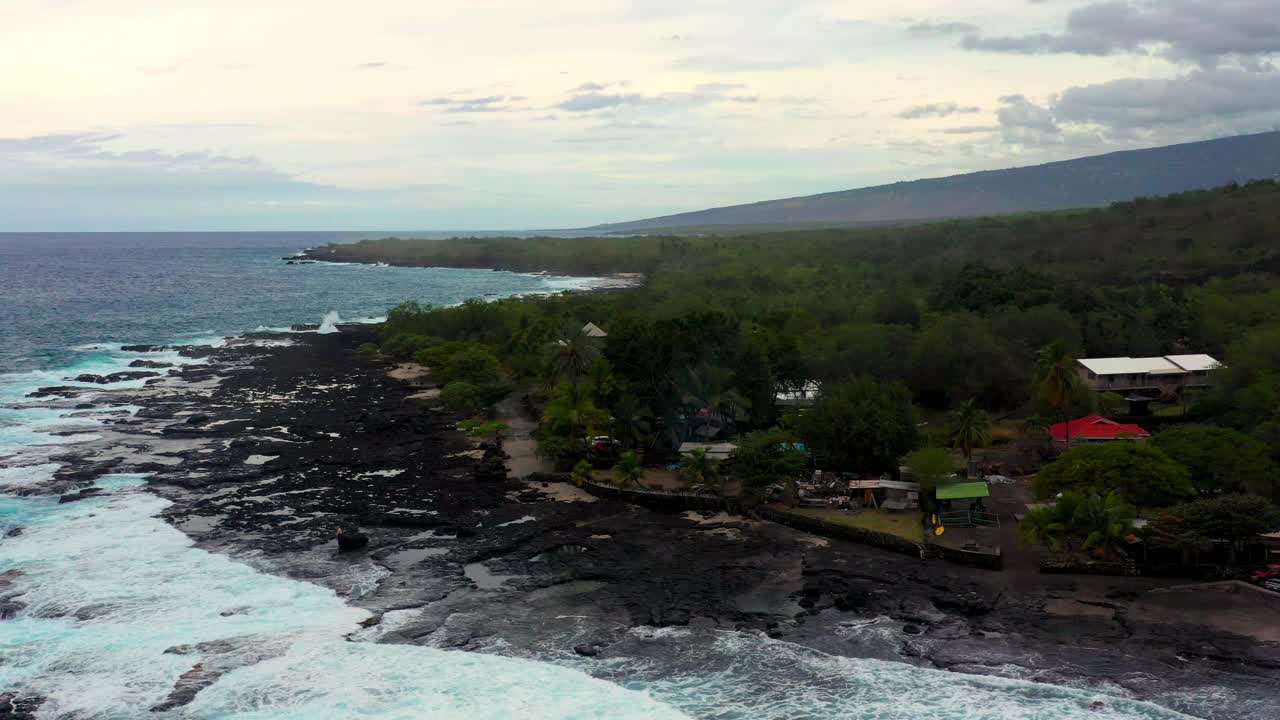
x=573, y=355
x=582, y=473
x=711, y=388
x=702, y=473
x=970, y=428
x=572, y=414
x=630, y=422
x=1058, y=381
x=1043, y=526
x=1105, y=523
x=628, y=471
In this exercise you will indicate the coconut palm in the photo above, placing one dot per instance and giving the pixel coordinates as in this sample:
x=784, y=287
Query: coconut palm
x=1043, y=526
x=970, y=428
x=572, y=415
x=573, y=355
x=702, y=473
x=1105, y=523
x=630, y=422
x=582, y=473
x=711, y=388
x=628, y=471
x=1058, y=380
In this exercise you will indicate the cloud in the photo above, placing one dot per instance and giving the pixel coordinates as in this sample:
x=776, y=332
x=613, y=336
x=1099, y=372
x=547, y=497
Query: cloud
x=704, y=94
x=587, y=102
x=967, y=129
x=928, y=29
x=371, y=65
x=931, y=110
x=1201, y=31
x=1022, y=122
x=487, y=104
x=1196, y=97
x=732, y=64
x=1200, y=104
x=591, y=87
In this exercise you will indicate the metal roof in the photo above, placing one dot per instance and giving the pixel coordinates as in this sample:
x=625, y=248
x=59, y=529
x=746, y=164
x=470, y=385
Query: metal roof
x=1193, y=363
x=1166, y=365
x=1128, y=365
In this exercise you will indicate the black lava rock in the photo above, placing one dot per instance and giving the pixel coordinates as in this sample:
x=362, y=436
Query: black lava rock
x=349, y=540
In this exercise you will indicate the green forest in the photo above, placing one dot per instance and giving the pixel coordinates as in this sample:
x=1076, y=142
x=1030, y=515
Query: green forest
x=910, y=331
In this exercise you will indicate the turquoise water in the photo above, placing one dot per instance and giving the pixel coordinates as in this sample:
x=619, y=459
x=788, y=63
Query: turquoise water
x=109, y=587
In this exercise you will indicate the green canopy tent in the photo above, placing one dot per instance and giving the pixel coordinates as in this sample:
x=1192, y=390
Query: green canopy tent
x=964, y=491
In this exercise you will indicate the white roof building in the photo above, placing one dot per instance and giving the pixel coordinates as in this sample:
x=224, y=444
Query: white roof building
x=1166, y=365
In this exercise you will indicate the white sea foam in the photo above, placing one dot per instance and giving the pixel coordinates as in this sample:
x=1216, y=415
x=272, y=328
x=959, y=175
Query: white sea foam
x=330, y=323
x=117, y=587
x=736, y=675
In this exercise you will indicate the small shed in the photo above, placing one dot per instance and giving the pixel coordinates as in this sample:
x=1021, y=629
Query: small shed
x=715, y=451
x=593, y=330
x=893, y=494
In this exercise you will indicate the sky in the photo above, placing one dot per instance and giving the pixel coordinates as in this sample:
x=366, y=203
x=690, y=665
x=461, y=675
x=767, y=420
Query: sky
x=517, y=114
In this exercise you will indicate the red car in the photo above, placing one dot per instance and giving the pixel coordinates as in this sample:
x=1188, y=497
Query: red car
x=1271, y=571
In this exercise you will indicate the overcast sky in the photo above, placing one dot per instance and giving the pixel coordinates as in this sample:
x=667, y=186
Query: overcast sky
x=506, y=114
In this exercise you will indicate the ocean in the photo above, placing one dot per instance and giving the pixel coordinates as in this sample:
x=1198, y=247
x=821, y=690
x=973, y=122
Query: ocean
x=108, y=587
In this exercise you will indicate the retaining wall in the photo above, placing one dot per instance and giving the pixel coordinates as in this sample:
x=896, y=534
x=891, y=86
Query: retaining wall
x=664, y=501
x=818, y=526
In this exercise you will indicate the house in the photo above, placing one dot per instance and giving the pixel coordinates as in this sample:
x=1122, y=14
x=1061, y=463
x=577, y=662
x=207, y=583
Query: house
x=1166, y=375
x=1095, y=429
x=593, y=330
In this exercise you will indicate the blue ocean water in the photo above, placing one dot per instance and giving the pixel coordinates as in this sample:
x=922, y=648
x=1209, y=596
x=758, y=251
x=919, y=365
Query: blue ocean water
x=63, y=291
x=108, y=586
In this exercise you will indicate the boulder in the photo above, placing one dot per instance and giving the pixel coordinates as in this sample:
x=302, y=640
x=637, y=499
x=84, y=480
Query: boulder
x=143, y=348
x=189, y=684
x=9, y=609
x=154, y=364
x=586, y=650
x=65, y=391
x=82, y=495
x=17, y=706
x=350, y=540
x=197, y=419
x=115, y=377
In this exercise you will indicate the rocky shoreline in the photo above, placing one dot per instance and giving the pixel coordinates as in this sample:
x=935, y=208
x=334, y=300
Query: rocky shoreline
x=278, y=442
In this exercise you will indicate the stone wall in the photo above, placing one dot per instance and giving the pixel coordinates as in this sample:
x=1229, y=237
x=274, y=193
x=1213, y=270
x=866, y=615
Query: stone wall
x=659, y=501
x=818, y=526
x=973, y=558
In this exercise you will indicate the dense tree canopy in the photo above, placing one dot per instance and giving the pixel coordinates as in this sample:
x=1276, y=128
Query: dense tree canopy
x=1222, y=460
x=861, y=425
x=1142, y=473
x=1233, y=518
x=933, y=314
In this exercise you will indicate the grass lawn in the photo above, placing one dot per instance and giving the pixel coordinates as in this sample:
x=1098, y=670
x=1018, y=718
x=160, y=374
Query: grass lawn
x=902, y=524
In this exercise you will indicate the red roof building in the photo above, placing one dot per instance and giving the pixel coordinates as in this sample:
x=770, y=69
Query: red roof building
x=1095, y=428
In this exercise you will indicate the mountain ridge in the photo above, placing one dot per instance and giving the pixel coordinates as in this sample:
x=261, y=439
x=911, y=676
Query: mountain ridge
x=1090, y=181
